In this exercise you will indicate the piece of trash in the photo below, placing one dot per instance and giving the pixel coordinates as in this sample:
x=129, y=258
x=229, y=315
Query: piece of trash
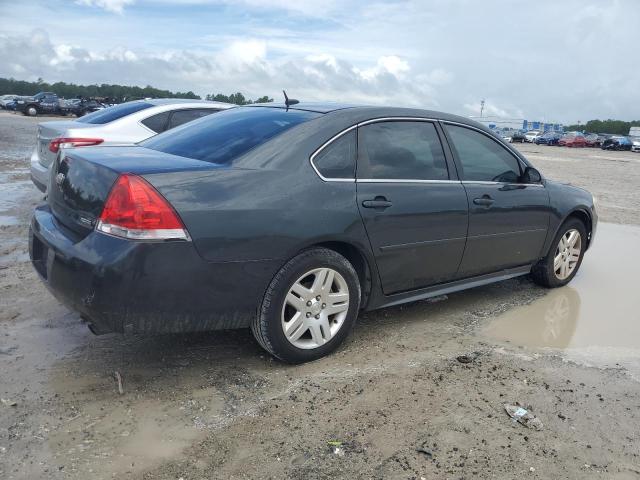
x=531, y=469
x=8, y=403
x=523, y=416
x=468, y=357
x=337, y=447
x=119, y=379
x=426, y=452
x=338, y=451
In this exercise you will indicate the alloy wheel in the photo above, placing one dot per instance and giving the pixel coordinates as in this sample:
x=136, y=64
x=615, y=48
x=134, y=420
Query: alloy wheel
x=315, y=308
x=567, y=254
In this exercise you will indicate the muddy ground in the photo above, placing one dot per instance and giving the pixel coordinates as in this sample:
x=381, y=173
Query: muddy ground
x=395, y=395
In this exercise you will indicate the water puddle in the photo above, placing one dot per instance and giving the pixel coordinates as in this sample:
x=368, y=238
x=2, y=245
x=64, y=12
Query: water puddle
x=596, y=318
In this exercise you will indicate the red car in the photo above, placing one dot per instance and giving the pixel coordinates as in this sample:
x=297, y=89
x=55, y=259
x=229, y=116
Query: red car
x=572, y=140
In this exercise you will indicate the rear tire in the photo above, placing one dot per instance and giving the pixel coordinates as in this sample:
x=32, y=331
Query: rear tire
x=565, y=256
x=293, y=299
x=31, y=111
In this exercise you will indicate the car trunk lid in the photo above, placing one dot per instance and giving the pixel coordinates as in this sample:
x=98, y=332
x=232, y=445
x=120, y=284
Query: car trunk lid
x=82, y=179
x=47, y=131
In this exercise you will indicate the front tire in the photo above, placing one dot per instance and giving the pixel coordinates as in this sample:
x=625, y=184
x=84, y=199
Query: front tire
x=31, y=111
x=309, y=307
x=565, y=256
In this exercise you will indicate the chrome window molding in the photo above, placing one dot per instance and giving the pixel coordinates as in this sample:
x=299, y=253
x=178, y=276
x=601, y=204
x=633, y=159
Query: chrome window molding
x=484, y=182
x=348, y=129
x=397, y=180
x=322, y=147
x=403, y=180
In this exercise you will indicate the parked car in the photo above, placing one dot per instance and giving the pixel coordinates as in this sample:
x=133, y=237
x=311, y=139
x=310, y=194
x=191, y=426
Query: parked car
x=43, y=102
x=122, y=124
x=81, y=106
x=548, y=138
x=518, y=137
x=593, y=140
x=635, y=144
x=6, y=100
x=617, y=142
x=531, y=135
x=572, y=140
x=258, y=217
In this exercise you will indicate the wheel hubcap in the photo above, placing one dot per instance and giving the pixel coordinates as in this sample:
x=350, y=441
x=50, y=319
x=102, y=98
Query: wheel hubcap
x=567, y=254
x=315, y=308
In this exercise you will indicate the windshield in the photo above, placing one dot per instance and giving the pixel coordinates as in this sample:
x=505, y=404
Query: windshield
x=222, y=137
x=114, y=113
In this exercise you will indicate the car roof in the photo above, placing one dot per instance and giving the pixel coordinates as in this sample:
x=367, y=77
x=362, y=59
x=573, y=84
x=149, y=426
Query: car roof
x=359, y=113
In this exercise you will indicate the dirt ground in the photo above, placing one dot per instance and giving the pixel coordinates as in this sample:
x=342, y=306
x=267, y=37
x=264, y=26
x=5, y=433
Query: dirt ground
x=395, y=402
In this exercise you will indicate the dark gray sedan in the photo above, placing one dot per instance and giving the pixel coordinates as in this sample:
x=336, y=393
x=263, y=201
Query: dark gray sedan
x=293, y=220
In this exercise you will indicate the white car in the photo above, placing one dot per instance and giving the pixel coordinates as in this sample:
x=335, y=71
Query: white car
x=531, y=135
x=6, y=99
x=635, y=144
x=122, y=124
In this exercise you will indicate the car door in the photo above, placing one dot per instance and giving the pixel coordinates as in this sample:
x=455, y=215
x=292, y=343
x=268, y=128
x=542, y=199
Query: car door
x=413, y=207
x=508, y=219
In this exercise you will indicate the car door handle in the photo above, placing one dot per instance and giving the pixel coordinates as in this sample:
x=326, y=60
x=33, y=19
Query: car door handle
x=378, y=202
x=484, y=200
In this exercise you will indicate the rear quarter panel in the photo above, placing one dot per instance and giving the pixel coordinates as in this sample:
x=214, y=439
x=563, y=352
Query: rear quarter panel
x=236, y=215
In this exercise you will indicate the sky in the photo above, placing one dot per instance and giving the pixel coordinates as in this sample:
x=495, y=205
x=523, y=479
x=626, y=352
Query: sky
x=555, y=61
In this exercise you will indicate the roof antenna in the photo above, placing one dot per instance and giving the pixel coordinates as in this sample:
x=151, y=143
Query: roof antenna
x=289, y=101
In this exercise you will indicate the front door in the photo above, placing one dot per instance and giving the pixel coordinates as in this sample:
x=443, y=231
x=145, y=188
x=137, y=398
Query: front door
x=508, y=219
x=414, y=212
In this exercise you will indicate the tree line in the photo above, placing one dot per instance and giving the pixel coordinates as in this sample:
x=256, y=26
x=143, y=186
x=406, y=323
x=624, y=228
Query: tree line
x=116, y=93
x=237, y=99
x=618, y=127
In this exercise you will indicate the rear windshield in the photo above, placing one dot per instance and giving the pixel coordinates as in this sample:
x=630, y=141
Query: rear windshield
x=226, y=135
x=110, y=114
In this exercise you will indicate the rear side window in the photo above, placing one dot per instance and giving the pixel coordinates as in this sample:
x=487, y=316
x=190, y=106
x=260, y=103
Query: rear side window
x=401, y=151
x=222, y=137
x=338, y=159
x=183, y=116
x=116, y=112
x=481, y=158
x=157, y=122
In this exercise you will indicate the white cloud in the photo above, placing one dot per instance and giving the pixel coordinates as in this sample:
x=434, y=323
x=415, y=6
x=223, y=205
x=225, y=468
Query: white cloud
x=115, y=6
x=563, y=61
x=240, y=66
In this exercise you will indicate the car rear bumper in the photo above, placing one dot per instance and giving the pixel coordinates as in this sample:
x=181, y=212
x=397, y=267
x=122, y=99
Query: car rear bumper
x=142, y=287
x=39, y=173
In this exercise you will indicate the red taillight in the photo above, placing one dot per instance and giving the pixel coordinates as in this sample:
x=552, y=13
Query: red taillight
x=57, y=143
x=134, y=209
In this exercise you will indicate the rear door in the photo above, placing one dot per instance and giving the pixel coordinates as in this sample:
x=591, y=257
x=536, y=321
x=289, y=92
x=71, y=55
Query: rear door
x=413, y=207
x=508, y=220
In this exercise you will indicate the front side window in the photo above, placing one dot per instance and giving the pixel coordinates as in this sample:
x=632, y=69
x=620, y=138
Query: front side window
x=481, y=158
x=338, y=159
x=401, y=150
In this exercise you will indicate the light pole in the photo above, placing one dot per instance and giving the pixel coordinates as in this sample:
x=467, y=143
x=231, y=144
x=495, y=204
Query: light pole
x=481, y=107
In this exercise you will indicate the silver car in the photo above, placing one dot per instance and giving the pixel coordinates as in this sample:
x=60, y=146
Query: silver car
x=122, y=124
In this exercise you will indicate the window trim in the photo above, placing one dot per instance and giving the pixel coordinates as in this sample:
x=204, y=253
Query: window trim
x=378, y=180
x=325, y=145
x=521, y=163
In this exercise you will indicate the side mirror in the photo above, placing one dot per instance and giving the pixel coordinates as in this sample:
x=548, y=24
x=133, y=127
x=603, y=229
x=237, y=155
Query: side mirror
x=531, y=175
